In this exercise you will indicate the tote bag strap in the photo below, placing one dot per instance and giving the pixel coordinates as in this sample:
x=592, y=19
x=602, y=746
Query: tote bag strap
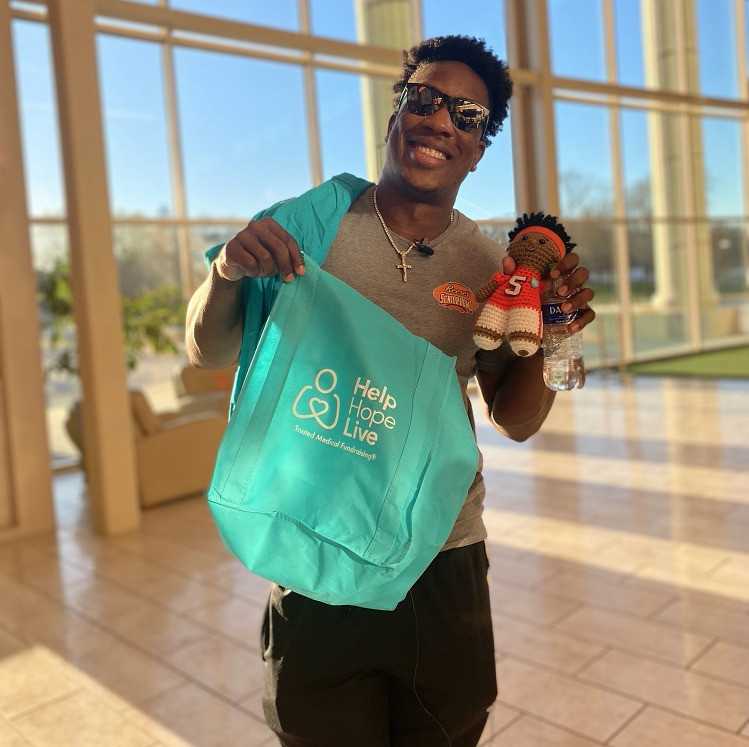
x=282, y=331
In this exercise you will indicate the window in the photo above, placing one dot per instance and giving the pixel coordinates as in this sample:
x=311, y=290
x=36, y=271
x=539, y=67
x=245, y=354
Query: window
x=130, y=75
x=38, y=112
x=489, y=192
x=244, y=133
x=576, y=39
x=279, y=13
x=723, y=161
x=484, y=19
x=583, y=160
x=339, y=111
x=340, y=24
x=628, y=33
x=716, y=37
x=636, y=166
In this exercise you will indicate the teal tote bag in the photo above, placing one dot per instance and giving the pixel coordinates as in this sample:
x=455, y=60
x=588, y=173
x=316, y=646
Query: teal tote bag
x=348, y=454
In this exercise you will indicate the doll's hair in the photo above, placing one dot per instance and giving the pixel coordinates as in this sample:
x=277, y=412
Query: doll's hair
x=545, y=221
x=474, y=53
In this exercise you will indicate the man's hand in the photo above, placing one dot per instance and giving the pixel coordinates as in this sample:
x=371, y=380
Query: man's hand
x=575, y=278
x=571, y=287
x=518, y=401
x=261, y=250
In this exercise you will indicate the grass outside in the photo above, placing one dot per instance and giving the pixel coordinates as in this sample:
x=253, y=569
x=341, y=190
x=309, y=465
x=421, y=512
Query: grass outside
x=732, y=363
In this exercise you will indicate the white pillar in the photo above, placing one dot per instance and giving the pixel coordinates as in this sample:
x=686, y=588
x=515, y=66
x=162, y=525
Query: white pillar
x=386, y=23
x=682, y=254
x=107, y=419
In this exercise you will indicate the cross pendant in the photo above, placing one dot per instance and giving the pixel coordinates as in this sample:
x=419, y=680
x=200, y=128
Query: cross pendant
x=405, y=268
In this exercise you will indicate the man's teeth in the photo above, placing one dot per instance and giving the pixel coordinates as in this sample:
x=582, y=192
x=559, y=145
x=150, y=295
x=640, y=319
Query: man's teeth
x=431, y=152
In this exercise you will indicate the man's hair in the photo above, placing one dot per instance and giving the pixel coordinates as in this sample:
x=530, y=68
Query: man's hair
x=474, y=53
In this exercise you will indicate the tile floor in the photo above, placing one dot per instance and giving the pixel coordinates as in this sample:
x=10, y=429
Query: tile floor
x=619, y=542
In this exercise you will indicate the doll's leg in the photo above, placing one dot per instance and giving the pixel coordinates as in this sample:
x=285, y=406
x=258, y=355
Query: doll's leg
x=524, y=330
x=489, y=332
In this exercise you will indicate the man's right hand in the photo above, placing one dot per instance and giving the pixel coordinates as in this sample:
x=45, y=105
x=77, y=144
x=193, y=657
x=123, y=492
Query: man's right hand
x=261, y=250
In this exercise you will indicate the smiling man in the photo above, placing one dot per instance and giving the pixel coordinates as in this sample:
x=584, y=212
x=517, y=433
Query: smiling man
x=423, y=674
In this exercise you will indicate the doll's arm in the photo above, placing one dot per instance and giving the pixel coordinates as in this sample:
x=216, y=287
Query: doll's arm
x=486, y=290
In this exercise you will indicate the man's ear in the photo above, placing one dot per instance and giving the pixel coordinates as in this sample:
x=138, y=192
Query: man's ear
x=479, y=154
x=391, y=122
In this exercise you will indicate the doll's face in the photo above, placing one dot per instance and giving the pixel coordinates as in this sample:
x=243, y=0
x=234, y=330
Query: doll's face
x=534, y=251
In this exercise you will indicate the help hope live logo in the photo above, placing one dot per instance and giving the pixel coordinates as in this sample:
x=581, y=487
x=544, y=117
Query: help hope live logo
x=368, y=414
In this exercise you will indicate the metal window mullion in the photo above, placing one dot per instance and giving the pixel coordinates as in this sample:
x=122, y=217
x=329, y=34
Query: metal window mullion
x=213, y=26
x=310, y=99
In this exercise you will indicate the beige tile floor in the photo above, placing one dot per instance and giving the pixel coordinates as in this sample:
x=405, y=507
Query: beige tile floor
x=619, y=542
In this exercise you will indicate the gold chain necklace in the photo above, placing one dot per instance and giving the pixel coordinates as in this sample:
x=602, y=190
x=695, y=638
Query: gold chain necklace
x=403, y=267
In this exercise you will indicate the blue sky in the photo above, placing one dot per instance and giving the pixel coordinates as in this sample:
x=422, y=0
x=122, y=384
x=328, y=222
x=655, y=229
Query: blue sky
x=242, y=121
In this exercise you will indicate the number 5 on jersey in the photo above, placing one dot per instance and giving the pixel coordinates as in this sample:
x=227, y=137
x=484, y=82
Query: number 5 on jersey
x=514, y=285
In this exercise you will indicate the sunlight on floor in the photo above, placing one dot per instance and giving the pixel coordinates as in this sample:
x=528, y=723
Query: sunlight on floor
x=52, y=702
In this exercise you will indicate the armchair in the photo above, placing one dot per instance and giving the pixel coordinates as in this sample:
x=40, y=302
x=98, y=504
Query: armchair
x=175, y=453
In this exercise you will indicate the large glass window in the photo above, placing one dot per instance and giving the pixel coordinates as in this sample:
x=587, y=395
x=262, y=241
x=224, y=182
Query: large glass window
x=338, y=25
x=723, y=164
x=244, y=133
x=153, y=312
x=489, y=192
x=636, y=165
x=628, y=32
x=576, y=39
x=658, y=260
x=135, y=128
x=341, y=128
x=595, y=245
x=717, y=50
x=38, y=111
x=280, y=14
x=583, y=160
x=724, y=276
x=484, y=19
x=50, y=254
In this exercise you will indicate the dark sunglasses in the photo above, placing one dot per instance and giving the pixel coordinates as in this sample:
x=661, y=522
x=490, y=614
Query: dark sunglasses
x=424, y=100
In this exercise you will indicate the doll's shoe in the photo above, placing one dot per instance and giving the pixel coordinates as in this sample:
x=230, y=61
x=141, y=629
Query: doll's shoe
x=487, y=339
x=523, y=344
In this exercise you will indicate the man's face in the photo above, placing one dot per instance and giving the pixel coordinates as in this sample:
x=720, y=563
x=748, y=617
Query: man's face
x=430, y=154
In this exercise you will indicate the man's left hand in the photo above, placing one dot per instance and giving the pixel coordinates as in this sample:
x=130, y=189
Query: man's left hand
x=574, y=277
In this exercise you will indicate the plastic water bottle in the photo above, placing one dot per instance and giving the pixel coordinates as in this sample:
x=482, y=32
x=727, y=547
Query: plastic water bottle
x=563, y=352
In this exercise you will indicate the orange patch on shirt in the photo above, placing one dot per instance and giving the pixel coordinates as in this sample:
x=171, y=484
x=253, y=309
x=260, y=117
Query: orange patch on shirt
x=456, y=297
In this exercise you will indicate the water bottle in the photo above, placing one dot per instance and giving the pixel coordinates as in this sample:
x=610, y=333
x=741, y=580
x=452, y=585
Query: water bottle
x=563, y=352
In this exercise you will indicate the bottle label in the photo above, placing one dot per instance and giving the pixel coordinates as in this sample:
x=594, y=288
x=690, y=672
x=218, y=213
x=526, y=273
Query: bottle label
x=552, y=313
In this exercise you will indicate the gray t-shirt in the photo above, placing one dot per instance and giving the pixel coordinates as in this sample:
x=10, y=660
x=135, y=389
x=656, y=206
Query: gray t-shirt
x=437, y=303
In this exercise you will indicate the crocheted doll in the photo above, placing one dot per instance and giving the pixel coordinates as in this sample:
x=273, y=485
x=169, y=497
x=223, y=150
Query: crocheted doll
x=513, y=302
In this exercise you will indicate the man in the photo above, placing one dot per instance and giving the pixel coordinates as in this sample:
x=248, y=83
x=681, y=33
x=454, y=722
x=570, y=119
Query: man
x=424, y=673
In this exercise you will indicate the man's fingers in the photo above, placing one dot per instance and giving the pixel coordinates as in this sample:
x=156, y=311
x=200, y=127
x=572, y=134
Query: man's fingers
x=262, y=249
x=565, y=265
x=290, y=260
x=583, y=320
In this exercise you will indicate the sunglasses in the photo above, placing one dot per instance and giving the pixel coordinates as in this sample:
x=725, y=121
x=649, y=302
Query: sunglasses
x=424, y=100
